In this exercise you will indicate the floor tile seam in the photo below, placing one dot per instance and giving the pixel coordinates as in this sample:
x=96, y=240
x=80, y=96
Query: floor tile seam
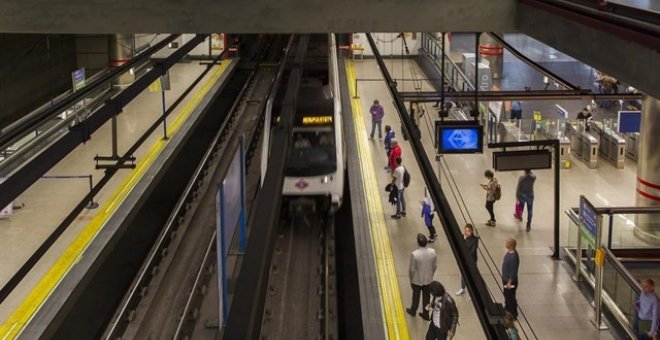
x=384, y=262
x=73, y=253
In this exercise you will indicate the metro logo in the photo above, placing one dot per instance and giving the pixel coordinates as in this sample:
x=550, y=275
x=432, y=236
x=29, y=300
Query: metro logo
x=302, y=184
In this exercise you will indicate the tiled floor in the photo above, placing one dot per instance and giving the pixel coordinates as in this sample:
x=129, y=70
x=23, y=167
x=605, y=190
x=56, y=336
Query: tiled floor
x=48, y=201
x=550, y=301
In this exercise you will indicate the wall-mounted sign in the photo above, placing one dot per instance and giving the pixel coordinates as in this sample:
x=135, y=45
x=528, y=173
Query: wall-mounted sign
x=78, y=79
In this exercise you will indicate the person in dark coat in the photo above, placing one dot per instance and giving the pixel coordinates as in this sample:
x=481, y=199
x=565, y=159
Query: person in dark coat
x=510, y=265
x=444, y=314
x=525, y=195
x=472, y=243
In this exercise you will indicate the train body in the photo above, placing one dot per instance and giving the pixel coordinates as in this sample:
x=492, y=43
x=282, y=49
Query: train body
x=314, y=174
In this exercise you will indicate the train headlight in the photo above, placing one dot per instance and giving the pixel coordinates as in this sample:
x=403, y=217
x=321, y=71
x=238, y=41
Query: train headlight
x=325, y=179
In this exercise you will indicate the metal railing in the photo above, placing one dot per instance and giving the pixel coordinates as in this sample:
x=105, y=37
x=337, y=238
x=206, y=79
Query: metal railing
x=620, y=289
x=68, y=109
x=452, y=73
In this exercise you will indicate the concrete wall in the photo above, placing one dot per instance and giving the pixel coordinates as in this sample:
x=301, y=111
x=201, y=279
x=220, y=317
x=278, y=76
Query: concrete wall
x=257, y=16
x=92, y=52
x=34, y=69
x=613, y=54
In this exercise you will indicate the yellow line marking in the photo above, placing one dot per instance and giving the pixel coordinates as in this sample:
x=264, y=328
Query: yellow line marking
x=29, y=306
x=392, y=307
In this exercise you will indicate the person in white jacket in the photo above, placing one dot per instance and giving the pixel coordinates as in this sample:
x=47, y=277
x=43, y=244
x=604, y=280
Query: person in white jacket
x=423, y=263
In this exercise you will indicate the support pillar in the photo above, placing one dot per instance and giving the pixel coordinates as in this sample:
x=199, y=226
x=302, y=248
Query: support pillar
x=648, y=163
x=492, y=51
x=121, y=50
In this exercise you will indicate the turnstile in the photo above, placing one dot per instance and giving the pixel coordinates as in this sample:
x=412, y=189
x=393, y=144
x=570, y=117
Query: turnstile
x=612, y=146
x=583, y=144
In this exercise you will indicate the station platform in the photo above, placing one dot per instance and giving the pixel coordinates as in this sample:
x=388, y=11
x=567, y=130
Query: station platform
x=551, y=304
x=46, y=203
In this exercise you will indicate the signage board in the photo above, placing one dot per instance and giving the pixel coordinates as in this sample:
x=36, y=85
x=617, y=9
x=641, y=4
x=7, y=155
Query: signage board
x=629, y=121
x=521, y=160
x=588, y=217
x=561, y=111
x=78, y=79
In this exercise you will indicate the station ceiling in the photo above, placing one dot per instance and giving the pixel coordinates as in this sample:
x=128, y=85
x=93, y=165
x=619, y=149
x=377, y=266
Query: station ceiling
x=627, y=60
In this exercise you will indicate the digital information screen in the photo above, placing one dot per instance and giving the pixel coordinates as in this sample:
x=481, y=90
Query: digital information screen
x=521, y=160
x=630, y=121
x=461, y=138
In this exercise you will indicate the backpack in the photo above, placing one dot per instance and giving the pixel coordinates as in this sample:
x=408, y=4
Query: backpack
x=406, y=178
x=498, y=192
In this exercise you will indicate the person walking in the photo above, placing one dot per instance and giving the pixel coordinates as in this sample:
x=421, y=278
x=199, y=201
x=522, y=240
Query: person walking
x=647, y=311
x=428, y=211
x=397, y=180
x=472, y=243
x=394, y=153
x=510, y=265
x=389, y=135
x=516, y=110
x=423, y=263
x=490, y=188
x=377, y=114
x=444, y=314
x=525, y=196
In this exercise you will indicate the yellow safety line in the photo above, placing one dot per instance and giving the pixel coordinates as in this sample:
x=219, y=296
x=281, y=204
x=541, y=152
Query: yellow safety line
x=392, y=307
x=36, y=297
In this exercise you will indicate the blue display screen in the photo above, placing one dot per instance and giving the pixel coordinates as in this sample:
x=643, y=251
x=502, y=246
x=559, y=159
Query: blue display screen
x=630, y=121
x=459, y=139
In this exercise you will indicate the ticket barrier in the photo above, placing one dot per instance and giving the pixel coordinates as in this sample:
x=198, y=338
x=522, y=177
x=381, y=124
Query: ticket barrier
x=554, y=129
x=583, y=144
x=510, y=131
x=632, y=145
x=612, y=146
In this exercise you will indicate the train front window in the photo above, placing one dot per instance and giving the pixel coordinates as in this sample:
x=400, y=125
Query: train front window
x=312, y=153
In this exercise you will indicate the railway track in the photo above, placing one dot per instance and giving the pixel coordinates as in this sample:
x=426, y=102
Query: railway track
x=301, y=301
x=164, y=298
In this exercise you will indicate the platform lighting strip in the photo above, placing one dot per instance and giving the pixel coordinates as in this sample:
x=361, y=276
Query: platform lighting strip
x=35, y=299
x=392, y=307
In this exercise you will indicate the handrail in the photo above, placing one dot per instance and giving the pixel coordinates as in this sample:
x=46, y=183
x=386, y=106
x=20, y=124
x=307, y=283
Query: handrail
x=26, y=124
x=454, y=66
x=623, y=210
x=625, y=273
x=91, y=106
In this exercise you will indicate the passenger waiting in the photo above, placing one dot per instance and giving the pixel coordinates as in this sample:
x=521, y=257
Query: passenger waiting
x=326, y=139
x=301, y=142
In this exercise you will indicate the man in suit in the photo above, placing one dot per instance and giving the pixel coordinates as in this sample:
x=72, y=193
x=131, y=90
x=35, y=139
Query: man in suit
x=423, y=263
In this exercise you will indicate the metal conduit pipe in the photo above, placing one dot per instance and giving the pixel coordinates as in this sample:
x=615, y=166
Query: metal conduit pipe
x=490, y=314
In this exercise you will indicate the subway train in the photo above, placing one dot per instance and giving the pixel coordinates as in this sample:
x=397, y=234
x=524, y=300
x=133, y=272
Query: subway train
x=314, y=174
